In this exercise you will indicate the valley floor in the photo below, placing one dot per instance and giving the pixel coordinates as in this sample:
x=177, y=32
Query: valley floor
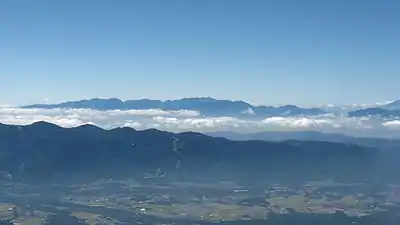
x=157, y=201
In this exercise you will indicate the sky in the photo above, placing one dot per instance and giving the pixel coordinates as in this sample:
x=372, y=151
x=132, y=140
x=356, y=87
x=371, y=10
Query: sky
x=263, y=52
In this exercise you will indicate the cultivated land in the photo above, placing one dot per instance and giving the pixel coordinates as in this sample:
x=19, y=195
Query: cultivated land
x=160, y=201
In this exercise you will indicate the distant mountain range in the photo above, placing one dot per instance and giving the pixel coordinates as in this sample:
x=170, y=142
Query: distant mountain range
x=43, y=149
x=205, y=105
x=395, y=105
x=390, y=110
x=308, y=136
x=381, y=112
x=208, y=106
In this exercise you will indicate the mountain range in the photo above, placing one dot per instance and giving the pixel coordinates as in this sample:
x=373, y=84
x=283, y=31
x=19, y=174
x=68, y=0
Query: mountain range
x=391, y=110
x=279, y=136
x=205, y=105
x=395, y=105
x=208, y=106
x=381, y=112
x=42, y=150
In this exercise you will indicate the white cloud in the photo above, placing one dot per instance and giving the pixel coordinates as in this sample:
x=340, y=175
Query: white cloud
x=208, y=123
x=293, y=122
x=76, y=117
x=133, y=124
x=328, y=121
x=184, y=120
x=394, y=124
x=351, y=107
x=5, y=106
x=364, y=105
x=384, y=103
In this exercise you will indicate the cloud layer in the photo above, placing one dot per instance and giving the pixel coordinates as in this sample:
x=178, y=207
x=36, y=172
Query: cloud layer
x=184, y=120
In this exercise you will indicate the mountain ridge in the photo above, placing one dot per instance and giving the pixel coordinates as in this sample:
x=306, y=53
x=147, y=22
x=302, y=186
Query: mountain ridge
x=390, y=110
x=377, y=111
x=395, y=105
x=205, y=105
x=308, y=135
x=43, y=149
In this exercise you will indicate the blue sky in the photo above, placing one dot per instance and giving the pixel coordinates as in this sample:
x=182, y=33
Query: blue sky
x=266, y=52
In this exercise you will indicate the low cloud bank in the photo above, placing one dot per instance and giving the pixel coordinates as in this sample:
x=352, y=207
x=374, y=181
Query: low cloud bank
x=185, y=120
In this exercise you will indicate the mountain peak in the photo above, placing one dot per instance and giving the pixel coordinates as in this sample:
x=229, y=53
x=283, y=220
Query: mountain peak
x=89, y=126
x=43, y=124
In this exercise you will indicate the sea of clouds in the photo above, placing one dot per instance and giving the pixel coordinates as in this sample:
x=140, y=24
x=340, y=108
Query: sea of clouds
x=185, y=120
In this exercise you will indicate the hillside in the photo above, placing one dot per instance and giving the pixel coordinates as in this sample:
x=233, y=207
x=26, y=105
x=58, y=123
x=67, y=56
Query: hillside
x=43, y=149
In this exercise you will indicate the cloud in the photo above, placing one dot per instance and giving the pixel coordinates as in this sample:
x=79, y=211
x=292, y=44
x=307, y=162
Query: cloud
x=184, y=120
x=394, y=124
x=76, y=117
x=352, y=107
x=294, y=122
x=207, y=123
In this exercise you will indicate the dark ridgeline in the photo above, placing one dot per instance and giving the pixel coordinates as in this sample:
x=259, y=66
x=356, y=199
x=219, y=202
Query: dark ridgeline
x=205, y=105
x=309, y=135
x=42, y=149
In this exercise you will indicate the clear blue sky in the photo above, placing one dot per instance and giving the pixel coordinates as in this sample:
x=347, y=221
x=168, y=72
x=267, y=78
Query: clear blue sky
x=269, y=52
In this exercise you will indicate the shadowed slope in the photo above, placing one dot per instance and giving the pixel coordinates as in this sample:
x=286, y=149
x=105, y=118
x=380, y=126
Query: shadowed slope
x=43, y=148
